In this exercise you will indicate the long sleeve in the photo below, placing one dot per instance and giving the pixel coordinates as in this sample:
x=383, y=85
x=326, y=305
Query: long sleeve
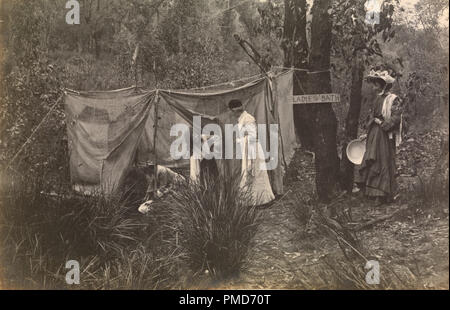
x=394, y=120
x=369, y=121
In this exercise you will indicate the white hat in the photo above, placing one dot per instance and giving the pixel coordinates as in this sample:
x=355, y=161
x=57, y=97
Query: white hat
x=384, y=75
x=355, y=151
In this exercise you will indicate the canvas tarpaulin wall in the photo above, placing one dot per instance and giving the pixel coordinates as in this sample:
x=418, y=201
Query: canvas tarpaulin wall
x=109, y=131
x=103, y=132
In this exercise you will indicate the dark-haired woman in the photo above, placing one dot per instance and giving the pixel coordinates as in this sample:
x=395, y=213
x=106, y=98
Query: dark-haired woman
x=376, y=174
x=253, y=167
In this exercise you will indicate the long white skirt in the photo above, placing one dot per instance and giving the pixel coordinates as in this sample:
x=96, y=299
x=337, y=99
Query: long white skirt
x=254, y=173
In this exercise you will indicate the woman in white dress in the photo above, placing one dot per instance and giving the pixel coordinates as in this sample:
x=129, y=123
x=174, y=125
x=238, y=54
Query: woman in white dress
x=253, y=165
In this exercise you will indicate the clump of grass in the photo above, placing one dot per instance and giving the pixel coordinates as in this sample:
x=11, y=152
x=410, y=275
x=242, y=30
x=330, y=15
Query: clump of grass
x=216, y=224
x=351, y=275
x=303, y=207
x=115, y=246
x=431, y=192
x=346, y=271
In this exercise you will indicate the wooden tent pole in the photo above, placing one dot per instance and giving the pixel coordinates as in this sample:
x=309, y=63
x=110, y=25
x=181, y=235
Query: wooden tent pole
x=253, y=54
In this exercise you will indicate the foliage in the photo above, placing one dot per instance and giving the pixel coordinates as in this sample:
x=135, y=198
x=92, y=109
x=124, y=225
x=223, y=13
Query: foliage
x=401, y=44
x=216, y=225
x=180, y=44
x=115, y=247
x=431, y=190
x=356, y=44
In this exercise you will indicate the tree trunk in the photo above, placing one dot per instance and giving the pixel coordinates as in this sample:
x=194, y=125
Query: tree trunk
x=227, y=26
x=295, y=47
x=2, y=28
x=324, y=118
x=352, y=122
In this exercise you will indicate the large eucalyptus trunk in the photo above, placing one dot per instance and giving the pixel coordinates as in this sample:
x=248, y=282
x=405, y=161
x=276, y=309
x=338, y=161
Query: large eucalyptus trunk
x=351, y=122
x=315, y=124
x=295, y=47
x=324, y=118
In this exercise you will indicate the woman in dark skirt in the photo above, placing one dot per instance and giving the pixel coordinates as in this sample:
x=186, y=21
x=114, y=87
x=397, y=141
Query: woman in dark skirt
x=376, y=174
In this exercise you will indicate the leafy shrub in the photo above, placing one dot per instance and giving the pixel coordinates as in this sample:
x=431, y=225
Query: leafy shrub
x=430, y=192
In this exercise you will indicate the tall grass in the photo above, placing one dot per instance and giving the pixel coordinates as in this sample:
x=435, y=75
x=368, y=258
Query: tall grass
x=346, y=271
x=205, y=226
x=111, y=241
x=431, y=192
x=216, y=224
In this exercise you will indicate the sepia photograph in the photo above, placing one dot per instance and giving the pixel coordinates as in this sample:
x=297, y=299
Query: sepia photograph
x=236, y=146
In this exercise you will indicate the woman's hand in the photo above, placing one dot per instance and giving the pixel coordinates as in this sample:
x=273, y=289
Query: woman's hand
x=378, y=121
x=363, y=137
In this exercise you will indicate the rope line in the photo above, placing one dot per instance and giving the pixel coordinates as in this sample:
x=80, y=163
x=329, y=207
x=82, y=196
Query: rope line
x=224, y=83
x=34, y=131
x=290, y=68
x=304, y=70
x=320, y=71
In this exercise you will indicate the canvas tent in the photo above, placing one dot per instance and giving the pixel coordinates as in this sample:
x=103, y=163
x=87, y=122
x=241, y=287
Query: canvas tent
x=109, y=131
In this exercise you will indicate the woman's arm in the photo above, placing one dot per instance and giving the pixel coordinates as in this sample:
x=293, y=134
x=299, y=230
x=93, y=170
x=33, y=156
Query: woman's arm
x=369, y=119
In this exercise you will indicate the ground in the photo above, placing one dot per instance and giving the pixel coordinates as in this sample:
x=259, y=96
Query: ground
x=295, y=246
x=412, y=247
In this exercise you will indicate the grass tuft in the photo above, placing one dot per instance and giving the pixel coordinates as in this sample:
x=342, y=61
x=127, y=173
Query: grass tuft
x=216, y=225
x=116, y=247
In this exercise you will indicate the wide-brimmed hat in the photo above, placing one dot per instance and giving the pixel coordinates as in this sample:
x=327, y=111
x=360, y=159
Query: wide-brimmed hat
x=383, y=75
x=355, y=151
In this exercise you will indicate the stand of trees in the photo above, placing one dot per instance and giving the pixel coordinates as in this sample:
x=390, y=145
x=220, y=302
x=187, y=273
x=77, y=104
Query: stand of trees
x=189, y=43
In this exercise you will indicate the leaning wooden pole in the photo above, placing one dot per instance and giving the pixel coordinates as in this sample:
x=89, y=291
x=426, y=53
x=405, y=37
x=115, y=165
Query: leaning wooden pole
x=253, y=54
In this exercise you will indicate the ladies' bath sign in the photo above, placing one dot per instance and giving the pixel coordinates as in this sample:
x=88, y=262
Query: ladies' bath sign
x=316, y=98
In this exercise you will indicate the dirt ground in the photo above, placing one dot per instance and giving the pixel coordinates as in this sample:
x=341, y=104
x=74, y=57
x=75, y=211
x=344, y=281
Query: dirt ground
x=412, y=247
